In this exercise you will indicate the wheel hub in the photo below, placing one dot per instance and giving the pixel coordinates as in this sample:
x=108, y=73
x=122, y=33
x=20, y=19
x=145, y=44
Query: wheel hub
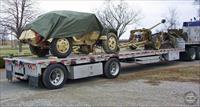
x=53, y=76
x=62, y=45
x=112, y=43
x=114, y=69
x=56, y=77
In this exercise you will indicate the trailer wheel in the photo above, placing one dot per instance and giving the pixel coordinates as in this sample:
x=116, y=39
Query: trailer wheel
x=197, y=50
x=112, y=68
x=190, y=54
x=54, y=76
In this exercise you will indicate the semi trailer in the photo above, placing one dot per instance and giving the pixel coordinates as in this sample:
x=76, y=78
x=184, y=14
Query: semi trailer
x=53, y=72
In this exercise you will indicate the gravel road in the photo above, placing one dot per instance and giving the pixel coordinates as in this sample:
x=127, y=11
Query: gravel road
x=97, y=91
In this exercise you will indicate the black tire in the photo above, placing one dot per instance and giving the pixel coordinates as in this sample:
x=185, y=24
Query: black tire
x=106, y=46
x=47, y=76
x=197, y=50
x=107, y=72
x=38, y=51
x=190, y=54
x=55, y=52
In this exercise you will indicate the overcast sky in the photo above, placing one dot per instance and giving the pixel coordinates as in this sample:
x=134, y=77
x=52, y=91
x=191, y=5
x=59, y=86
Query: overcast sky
x=152, y=10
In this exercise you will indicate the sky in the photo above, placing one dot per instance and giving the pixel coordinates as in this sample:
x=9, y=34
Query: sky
x=152, y=10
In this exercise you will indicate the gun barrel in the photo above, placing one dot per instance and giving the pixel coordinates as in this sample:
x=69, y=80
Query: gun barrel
x=154, y=26
x=162, y=21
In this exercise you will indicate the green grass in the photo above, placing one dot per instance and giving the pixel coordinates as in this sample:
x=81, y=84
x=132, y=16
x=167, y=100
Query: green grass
x=7, y=50
x=14, y=52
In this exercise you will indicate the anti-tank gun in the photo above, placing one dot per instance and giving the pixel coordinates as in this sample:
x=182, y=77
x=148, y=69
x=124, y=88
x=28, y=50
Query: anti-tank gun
x=144, y=38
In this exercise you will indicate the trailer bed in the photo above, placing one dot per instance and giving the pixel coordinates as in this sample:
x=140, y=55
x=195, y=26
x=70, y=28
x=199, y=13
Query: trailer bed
x=81, y=59
x=80, y=66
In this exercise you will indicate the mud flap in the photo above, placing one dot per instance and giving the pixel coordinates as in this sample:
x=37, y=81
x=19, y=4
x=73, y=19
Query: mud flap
x=9, y=75
x=33, y=81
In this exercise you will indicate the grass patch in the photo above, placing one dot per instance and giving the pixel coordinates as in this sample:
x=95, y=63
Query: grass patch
x=182, y=74
x=14, y=52
x=5, y=51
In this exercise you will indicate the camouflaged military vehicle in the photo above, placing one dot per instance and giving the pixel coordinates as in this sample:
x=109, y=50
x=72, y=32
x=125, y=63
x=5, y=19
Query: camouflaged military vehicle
x=59, y=31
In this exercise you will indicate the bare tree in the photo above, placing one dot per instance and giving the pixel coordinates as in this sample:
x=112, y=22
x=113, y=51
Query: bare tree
x=3, y=35
x=172, y=18
x=15, y=14
x=117, y=16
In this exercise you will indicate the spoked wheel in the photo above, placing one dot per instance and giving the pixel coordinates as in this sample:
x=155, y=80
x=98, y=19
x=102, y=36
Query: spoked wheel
x=54, y=76
x=112, y=68
x=61, y=47
x=111, y=44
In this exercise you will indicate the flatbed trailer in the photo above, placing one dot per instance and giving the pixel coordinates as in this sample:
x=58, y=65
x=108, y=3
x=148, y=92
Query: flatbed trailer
x=52, y=72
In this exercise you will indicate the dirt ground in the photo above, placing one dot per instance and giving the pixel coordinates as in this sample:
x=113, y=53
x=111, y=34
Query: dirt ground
x=159, y=84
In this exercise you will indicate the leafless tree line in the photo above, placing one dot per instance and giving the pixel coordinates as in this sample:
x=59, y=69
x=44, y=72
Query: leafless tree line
x=172, y=18
x=117, y=16
x=15, y=14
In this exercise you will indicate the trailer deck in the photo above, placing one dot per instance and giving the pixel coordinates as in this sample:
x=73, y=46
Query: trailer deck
x=81, y=59
x=80, y=66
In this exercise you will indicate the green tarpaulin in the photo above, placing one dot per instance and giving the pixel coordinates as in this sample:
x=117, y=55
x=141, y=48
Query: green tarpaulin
x=57, y=24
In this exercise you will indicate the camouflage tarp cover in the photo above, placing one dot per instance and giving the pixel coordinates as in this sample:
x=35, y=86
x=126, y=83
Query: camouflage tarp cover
x=58, y=24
